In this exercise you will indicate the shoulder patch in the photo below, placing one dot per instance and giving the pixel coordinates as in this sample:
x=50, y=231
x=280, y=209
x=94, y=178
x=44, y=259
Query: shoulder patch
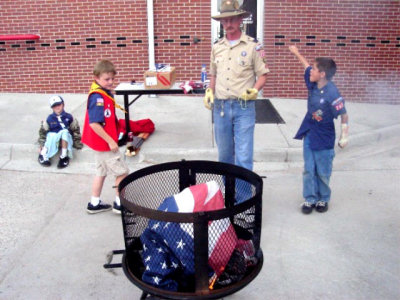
x=338, y=103
x=99, y=102
x=259, y=47
x=260, y=50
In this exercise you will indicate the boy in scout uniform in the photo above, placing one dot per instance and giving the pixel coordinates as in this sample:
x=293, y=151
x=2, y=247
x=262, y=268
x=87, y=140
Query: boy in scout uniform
x=238, y=71
x=100, y=133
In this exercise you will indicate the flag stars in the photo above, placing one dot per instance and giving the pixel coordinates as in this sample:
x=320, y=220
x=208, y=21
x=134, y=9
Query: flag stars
x=155, y=226
x=160, y=250
x=180, y=244
x=156, y=280
x=164, y=265
x=174, y=265
x=147, y=259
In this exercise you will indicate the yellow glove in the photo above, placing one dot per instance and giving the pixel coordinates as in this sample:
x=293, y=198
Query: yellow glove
x=344, y=139
x=208, y=98
x=249, y=94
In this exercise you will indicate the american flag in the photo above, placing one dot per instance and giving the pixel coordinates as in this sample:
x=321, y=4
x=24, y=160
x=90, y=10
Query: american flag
x=168, y=248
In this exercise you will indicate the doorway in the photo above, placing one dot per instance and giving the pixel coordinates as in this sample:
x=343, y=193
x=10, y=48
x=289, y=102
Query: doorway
x=252, y=25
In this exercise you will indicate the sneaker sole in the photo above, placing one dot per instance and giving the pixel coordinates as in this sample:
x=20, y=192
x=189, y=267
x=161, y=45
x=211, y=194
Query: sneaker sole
x=322, y=210
x=116, y=211
x=45, y=164
x=62, y=167
x=97, y=211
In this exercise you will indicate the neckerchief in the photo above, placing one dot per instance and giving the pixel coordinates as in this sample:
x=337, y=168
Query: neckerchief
x=95, y=87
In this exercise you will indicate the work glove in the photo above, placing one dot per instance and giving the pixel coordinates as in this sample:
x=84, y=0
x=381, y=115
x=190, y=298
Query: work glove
x=249, y=94
x=209, y=98
x=344, y=136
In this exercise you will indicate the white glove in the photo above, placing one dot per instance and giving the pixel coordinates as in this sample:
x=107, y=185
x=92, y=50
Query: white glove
x=344, y=136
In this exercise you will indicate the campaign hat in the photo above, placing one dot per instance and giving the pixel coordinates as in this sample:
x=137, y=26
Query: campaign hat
x=230, y=8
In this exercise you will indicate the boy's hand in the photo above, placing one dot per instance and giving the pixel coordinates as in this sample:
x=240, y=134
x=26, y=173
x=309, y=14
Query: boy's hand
x=113, y=146
x=344, y=136
x=293, y=49
x=301, y=58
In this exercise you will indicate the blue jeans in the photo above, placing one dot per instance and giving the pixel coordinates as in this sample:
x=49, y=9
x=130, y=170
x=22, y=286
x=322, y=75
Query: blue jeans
x=317, y=172
x=234, y=131
x=234, y=135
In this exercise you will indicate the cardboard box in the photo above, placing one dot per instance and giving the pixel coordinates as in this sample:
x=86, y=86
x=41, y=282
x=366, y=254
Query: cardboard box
x=158, y=80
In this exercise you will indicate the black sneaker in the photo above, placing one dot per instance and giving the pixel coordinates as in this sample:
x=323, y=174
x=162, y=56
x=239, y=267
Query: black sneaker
x=321, y=206
x=116, y=208
x=307, y=207
x=44, y=162
x=63, y=162
x=91, y=209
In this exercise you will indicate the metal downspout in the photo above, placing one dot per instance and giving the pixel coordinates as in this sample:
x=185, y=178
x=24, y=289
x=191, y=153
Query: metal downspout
x=150, y=33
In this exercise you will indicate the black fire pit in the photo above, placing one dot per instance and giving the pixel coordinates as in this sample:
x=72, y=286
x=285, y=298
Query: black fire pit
x=143, y=194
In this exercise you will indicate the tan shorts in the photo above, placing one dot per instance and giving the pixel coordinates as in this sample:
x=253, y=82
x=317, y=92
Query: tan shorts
x=110, y=163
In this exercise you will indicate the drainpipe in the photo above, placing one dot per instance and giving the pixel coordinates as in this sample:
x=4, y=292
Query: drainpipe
x=150, y=33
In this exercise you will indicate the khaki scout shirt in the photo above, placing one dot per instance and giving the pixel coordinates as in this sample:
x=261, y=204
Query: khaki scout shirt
x=236, y=67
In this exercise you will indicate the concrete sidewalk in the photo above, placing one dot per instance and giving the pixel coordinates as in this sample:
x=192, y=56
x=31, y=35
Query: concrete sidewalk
x=183, y=131
x=50, y=248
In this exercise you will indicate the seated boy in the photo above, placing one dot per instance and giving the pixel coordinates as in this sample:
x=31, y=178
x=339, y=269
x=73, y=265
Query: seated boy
x=59, y=126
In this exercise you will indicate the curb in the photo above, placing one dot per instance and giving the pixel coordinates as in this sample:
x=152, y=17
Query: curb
x=23, y=157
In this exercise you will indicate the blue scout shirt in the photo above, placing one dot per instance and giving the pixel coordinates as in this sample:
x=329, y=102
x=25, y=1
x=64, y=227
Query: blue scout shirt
x=96, y=108
x=59, y=122
x=323, y=106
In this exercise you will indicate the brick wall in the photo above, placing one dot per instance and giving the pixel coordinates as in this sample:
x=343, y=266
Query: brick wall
x=75, y=34
x=362, y=36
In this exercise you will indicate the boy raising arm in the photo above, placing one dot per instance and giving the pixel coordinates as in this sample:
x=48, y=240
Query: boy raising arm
x=317, y=130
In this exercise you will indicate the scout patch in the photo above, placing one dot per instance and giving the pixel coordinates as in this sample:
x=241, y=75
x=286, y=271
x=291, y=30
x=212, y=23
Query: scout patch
x=99, y=102
x=317, y=115
x=338, y=103
x=261, y=52
x=107, y=113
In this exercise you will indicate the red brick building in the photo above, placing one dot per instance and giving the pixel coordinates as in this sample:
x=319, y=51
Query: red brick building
x=362, y=36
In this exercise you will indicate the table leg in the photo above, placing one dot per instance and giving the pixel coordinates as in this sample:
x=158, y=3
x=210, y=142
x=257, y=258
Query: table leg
x=126, y=104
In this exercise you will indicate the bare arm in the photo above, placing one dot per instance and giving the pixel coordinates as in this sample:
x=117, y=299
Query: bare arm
x=260, y=82
x=344, y=119
x=344, y=135
x=99, y=130
x=212, y=83
x=300, y=57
